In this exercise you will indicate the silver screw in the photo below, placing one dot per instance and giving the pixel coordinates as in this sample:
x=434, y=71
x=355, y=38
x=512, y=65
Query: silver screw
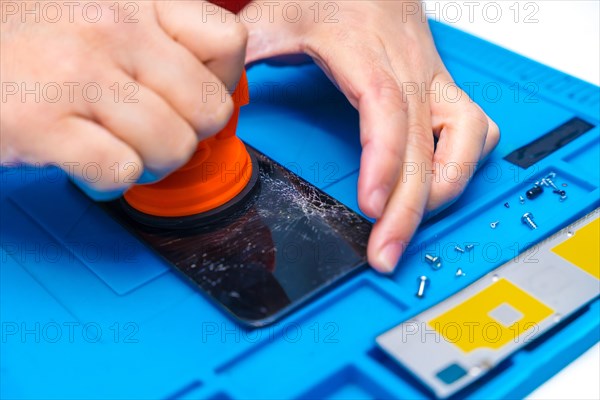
x=563, y=197
x=423, y=281
x=469, y=247
x=521, y=200
x=527, y=219
x=494, y=224
x=459, y=249
x=547, y=181
x=460, y=272
x=434, y=261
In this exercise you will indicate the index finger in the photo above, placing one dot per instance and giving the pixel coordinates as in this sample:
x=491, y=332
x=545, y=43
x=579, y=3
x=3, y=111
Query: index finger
x=391, y=234
x=212, y=34
x=370, y=85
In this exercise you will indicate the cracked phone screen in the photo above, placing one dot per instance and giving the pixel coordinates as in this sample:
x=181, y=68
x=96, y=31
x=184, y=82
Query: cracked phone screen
x=288, y=242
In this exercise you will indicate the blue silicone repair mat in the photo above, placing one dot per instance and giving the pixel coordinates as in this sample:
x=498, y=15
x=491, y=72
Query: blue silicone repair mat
x=89, y=312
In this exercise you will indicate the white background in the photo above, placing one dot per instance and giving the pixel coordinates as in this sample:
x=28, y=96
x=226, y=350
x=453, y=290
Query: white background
x=564, y=35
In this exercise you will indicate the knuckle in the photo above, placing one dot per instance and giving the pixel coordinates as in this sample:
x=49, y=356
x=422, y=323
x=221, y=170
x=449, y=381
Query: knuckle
x=129, y=169
x=413, y=214
x=384, y=91
x=173, y=152
x=234, y=37
x=445, y=191
x=451, y=189
x=493, y=134
x=388, y=92
x=174, y=141
x=420, y=138
x=477, y=119
x=393, y=153
x=215, y=117
x=348, y=37
x=418, y=129
x=182, y=148
x=104, y=23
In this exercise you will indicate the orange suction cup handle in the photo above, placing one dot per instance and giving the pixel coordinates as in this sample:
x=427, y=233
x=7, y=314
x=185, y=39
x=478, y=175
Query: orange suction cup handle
x=218, y=171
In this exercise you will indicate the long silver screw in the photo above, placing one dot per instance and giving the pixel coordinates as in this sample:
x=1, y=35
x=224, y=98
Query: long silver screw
x=423, y=281
x=549, y=182
x=527, y=219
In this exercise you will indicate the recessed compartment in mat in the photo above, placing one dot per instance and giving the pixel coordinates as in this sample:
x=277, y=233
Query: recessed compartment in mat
x=482, y=248
x=348, y=383
x=581, y=160
x=220, y=396
x=58, y=266
x=184, y=391
x=331, y=334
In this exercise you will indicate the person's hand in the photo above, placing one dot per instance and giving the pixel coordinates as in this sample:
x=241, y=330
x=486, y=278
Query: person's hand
x=113, y=90
x=382, y=57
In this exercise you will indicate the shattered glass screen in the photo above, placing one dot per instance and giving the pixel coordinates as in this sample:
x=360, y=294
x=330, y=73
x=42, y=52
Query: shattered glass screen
x=288, y=242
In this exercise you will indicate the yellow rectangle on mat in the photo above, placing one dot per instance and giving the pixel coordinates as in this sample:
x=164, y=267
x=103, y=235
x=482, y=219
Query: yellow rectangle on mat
x=472, y=324
x=583, y=248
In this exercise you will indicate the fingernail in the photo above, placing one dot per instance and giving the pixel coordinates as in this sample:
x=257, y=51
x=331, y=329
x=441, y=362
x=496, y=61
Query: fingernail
x=377, y=201
x=389, y=256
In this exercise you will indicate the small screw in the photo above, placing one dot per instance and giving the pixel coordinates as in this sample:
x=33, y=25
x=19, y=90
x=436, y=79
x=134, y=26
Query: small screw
x=560, y=192
x=435, y=261
x=460, y=272
x=521, y=200
x=547, y=181
x=563, y=198
x=469, y=247
x=423, y=282
x=506, y=205
x=459, y=249
x=494, y=224
x=527, y=219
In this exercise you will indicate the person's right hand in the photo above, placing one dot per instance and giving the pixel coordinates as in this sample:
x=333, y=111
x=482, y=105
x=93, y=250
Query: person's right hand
x=109, y=100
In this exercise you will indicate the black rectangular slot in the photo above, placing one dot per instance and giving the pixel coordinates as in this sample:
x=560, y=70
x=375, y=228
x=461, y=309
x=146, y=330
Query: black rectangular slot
x=542, y=147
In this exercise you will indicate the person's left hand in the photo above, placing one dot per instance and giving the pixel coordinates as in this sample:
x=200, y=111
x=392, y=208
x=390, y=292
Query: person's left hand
x=382, y=57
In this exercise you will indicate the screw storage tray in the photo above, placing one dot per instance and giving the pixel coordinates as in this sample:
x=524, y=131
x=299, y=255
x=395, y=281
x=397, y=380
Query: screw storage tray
x=88, y=311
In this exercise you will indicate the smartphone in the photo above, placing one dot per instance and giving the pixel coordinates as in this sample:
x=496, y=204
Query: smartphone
x=286, y=243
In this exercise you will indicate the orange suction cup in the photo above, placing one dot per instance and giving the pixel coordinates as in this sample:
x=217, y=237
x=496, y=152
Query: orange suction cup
x=219, y=176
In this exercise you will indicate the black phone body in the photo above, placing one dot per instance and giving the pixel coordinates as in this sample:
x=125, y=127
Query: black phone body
x=286, y=243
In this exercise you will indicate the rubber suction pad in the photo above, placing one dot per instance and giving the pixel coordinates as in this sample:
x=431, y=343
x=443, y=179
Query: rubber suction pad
x=216, y=180
x=204, y=218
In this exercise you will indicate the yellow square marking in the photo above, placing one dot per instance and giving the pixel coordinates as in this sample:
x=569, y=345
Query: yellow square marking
x=469, y=325
x=583, y=249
